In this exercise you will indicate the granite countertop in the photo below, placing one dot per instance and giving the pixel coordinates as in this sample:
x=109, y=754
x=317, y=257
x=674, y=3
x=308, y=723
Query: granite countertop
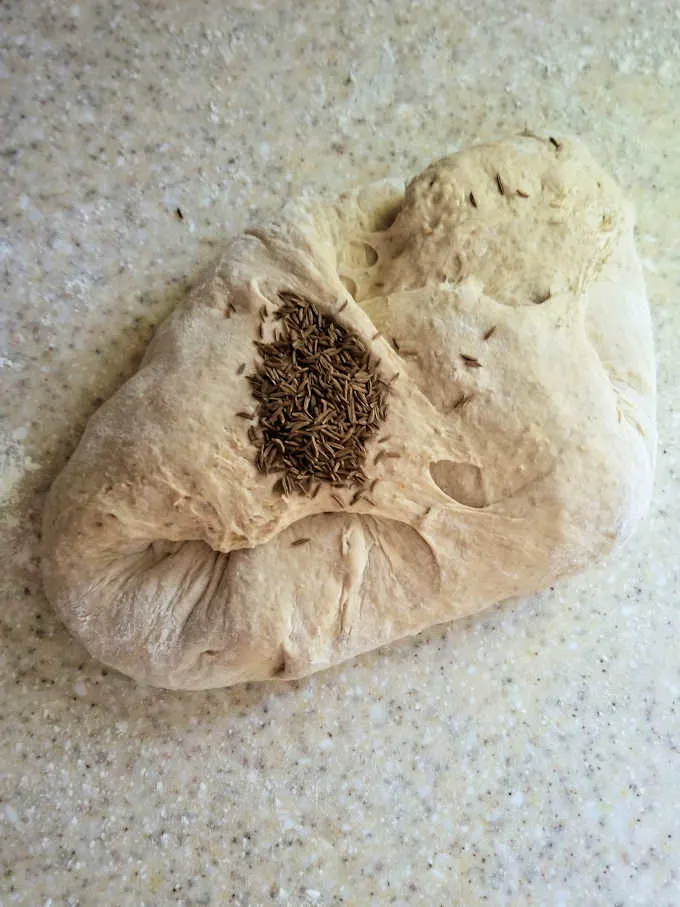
x=529, y=756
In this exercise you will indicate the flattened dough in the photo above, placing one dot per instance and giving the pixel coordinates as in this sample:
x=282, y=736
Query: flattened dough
x=523, y=417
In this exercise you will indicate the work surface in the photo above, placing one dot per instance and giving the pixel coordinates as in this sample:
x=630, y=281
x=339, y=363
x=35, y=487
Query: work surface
x=530, y=756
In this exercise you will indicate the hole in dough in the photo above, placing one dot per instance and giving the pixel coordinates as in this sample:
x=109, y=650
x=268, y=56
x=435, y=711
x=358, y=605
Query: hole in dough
x=349, y=285
x=380, y=214
x=279, y=666
x=358, y=254
x=461, y=482
x=386, y=218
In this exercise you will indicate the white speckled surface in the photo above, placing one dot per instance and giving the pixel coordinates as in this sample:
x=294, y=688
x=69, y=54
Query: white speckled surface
x=527, y=757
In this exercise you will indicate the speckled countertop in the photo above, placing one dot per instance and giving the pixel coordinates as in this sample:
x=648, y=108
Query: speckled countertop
x=530, y=756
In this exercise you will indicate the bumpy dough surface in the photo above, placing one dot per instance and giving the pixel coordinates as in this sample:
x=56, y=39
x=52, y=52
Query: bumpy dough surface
x=169, y=555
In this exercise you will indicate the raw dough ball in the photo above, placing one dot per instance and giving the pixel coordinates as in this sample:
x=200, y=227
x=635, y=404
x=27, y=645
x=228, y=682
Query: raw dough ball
x=517, y=444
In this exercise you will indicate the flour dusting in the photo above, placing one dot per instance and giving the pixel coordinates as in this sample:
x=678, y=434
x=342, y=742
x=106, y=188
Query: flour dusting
x=14, y=464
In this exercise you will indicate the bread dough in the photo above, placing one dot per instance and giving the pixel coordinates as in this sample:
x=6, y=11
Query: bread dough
x=523, y=417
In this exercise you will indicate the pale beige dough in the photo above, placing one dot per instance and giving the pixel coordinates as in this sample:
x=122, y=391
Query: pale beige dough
x=167, y=553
